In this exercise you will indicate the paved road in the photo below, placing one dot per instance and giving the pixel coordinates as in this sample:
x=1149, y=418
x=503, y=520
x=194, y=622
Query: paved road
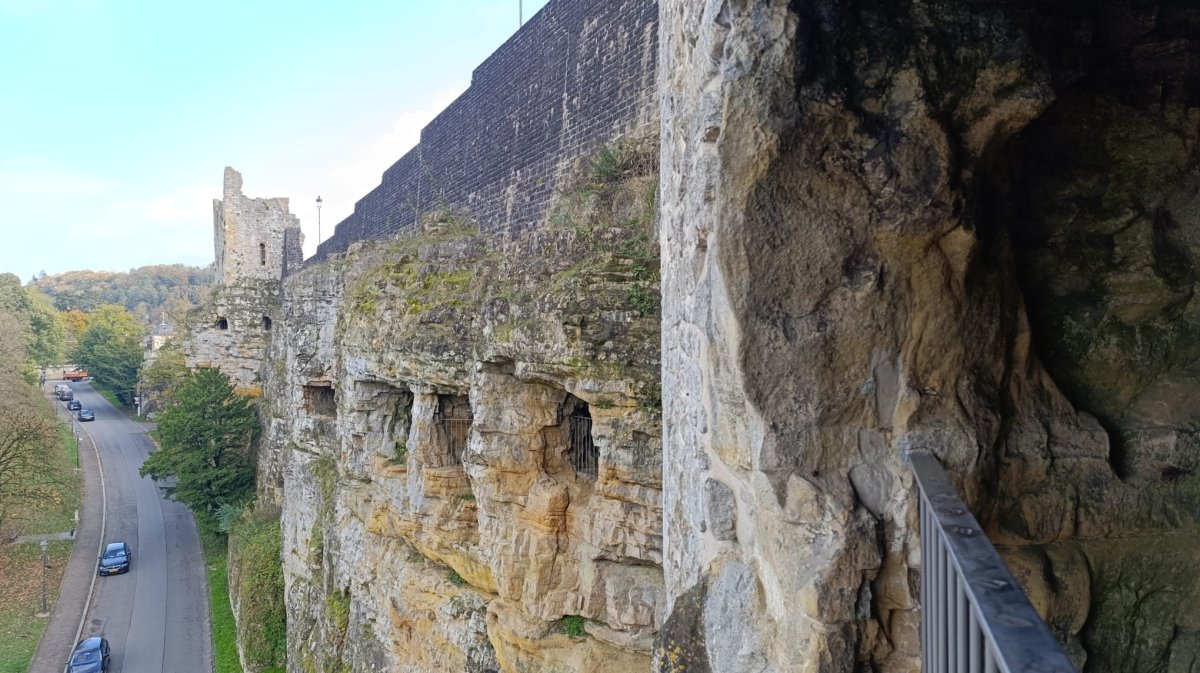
x=156, y=615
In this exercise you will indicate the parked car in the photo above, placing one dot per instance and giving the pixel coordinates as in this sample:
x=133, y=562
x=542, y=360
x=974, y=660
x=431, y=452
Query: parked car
x=86, y=415
x=116, y=559
x=91, y=655
x=74, y=405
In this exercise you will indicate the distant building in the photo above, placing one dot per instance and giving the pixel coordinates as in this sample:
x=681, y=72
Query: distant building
x=159, y=337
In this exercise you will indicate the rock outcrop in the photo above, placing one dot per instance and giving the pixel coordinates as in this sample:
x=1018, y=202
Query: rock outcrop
x=860, y=200
x=463, y=438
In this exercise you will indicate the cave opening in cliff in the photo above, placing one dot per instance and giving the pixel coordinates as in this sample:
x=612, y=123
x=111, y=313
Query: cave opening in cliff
x=1094, y=202
x=222, y=323
x=454, y=427
x=319, y=400
x=582, y=452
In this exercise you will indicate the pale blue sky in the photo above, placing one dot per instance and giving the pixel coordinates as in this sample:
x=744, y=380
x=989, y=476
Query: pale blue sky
x=117, y=118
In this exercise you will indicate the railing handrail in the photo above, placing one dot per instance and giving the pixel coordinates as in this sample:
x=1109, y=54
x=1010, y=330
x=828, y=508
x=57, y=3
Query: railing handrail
x=1015, y=639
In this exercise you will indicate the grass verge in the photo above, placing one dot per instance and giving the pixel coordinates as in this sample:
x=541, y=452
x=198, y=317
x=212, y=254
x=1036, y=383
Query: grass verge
x=21, y=586
x=224, y=630
x=21, y=564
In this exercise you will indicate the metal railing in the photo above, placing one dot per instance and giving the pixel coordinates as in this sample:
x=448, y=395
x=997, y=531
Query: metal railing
x=585, y=456
x=975, y=617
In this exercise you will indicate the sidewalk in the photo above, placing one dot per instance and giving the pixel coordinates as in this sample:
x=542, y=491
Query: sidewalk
x=59, y=637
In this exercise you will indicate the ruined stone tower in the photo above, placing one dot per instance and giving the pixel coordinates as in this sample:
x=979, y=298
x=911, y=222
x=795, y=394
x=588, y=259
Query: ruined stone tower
x=257, y=242
x=255, y=239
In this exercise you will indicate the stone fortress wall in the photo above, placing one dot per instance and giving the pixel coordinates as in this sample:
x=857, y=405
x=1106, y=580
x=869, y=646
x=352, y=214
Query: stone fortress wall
x=577, y=75
x=257, y=242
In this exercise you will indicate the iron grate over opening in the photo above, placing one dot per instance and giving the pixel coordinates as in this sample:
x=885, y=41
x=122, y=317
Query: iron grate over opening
x=585, y=457
x=457, y=432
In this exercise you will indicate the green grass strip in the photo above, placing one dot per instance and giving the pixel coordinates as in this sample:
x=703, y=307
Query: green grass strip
x=224, y=630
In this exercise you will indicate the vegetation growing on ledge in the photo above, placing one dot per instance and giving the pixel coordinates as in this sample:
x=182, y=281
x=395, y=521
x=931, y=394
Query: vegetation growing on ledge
x=587, y=279
x=337, y=607
x=572, y=625
x=255, y=543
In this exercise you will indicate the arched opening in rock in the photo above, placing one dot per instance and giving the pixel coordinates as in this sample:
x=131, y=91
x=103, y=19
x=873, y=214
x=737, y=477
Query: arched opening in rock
x=222, y=323
x=266, y=323
x=1097, y=200
x=582, y=453
x=378, y=419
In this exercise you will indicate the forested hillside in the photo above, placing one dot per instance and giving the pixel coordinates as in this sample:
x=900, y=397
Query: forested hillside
x=147, y=291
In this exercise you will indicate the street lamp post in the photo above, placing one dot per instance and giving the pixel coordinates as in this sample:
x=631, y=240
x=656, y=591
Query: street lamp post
x=319, y=202
x=45, y=565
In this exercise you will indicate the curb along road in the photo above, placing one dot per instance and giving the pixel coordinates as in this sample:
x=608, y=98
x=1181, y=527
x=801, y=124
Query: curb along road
x=103, y=522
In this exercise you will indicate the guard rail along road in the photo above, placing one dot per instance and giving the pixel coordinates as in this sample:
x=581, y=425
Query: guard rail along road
x=975, y=618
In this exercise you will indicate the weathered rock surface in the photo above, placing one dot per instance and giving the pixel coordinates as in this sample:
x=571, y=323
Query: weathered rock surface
x=464, y=443
x=843, y=184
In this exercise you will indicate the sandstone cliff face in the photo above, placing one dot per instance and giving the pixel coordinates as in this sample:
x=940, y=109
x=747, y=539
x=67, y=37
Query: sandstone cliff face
x=463, y=438
x=859, y=201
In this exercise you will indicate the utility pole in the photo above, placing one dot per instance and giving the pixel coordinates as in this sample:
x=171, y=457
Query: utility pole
x=520, y=13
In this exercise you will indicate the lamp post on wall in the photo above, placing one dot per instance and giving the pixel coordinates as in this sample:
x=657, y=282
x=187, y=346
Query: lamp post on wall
x=319, y=202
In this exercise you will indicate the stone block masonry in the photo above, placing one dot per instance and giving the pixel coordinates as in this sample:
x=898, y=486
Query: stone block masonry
x=578, y=75
x=255, y=239
x=257, y=244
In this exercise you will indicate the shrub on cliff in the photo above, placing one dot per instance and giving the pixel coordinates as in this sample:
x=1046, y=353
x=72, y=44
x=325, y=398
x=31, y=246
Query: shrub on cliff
x=207, y=436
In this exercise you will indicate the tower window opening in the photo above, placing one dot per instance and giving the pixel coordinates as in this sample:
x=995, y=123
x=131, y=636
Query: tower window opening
x=267, y=323
x=262, y=254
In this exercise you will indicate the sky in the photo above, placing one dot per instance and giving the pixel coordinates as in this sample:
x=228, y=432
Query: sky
x=118, y=117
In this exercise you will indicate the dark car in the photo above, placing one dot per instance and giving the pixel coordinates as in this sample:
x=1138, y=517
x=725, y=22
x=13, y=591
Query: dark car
x=116, y=559
x=74, y=405
x=86, y=415
x=90, y=656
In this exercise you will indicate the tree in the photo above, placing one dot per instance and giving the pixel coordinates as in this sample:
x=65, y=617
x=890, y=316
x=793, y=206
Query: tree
x=207, y=437
x=40, y=323
x=111, y=350
x=47, y=335
x=28, y=436
x=162, y=376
